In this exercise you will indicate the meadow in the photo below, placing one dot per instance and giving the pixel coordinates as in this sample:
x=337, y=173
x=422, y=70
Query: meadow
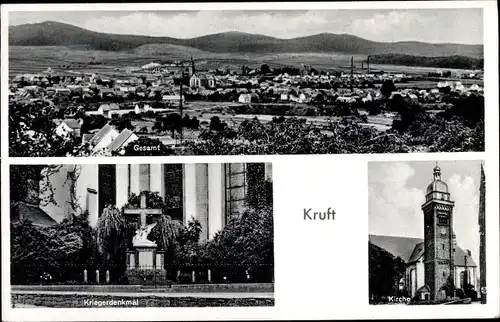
x=32, y=59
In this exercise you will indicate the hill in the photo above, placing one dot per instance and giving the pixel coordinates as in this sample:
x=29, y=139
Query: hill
x=51, y=33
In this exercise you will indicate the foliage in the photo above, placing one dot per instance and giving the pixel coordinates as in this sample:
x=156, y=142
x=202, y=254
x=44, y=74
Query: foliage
x=455, y=62
x=387, y=88
x=385, y=271
x=245, y=243
x=37, y=248
x=296, y=136
x=32, y=132
x=121, y=123
x=111, y=235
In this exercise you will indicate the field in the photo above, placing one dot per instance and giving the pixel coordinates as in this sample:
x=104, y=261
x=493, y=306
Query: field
x=27, y=59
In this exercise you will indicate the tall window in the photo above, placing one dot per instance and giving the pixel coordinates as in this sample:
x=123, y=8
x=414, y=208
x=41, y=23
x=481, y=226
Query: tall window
x=236, y=189
x=107, y=185
x=144, y=177
x=173, y=178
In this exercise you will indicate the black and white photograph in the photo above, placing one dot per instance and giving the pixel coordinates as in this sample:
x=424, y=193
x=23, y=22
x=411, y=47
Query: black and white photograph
x=427, y=233
x=141, y=235
x=245, y=82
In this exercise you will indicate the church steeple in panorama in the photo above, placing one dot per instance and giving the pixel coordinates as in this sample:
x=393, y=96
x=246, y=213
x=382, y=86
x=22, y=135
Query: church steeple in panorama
x=192, y=69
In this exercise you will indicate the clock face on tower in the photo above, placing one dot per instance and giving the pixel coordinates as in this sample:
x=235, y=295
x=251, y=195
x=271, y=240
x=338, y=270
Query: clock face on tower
x=443, y=231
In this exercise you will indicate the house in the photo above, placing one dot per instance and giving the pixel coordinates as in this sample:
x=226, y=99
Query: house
x=202, y=80
x=62, y=91
x=103, y=138
x=121, y=141
x=245, y=98
x=108, y=109
x=346, y=99
x=367, y=98
x=142, y=108
x=412, y=99
x=284, y=97
x=29, y=211
x=69, y=127
x=106, y=92
x=172, y=99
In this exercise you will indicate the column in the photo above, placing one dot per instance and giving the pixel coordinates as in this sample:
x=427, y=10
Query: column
x=215, y=198
x=202, y=199
x=189, y=192
x=121, y=184
x=157, y=178
x=134, y=179
x=92, y=206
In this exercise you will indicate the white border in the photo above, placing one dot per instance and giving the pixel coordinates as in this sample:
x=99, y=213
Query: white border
x=281, y=310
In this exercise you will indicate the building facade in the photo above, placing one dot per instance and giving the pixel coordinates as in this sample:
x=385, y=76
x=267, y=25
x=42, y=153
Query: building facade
x=209, y=193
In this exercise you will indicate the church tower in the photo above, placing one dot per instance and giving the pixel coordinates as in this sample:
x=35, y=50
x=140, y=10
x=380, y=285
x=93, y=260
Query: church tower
x=438, y=238
x=192, y=69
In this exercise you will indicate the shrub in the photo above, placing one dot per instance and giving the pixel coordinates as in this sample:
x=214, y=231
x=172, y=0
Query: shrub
x=185, y=278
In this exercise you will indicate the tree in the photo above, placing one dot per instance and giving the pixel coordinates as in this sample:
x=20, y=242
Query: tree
x=264, y=69
x=121, y=123
x=32, y=132
x=111, y=235
x=216, y=124
x=387, y=88
x=244, y=244
x=385, y=271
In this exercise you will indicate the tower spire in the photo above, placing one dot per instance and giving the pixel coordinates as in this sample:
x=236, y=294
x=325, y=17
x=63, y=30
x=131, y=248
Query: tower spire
x=437, y=172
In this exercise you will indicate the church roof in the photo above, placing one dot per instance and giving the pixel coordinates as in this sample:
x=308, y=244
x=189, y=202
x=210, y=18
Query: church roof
x=35, y=214
x=398, y=246
x=411, y=249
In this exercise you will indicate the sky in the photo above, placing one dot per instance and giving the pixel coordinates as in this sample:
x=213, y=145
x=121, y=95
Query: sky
x=397, y=192
x=428, y=25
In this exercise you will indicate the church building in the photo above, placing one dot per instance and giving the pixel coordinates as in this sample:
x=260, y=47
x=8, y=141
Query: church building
x=211, y=193
x=434, y=260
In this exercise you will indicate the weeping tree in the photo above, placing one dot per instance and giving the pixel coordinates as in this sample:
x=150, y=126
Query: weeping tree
x=111, y=235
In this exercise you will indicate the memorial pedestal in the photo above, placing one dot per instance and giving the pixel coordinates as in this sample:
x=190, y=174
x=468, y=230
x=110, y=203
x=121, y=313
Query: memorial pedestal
x=145, y=265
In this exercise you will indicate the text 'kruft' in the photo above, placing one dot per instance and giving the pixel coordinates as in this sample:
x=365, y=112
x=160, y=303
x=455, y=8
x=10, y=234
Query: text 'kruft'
x=319, y=215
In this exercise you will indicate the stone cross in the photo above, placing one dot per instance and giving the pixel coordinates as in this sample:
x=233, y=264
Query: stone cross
x=97, y=276
x=143, y=211
x=85, y=277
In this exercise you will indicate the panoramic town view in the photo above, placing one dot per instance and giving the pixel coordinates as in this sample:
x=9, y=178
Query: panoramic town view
x=77, y=92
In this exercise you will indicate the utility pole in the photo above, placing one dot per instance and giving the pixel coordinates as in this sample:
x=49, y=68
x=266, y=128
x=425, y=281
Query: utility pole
x=368, y=64
x=352, y=70
x=466, y=277
x=180, y=104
